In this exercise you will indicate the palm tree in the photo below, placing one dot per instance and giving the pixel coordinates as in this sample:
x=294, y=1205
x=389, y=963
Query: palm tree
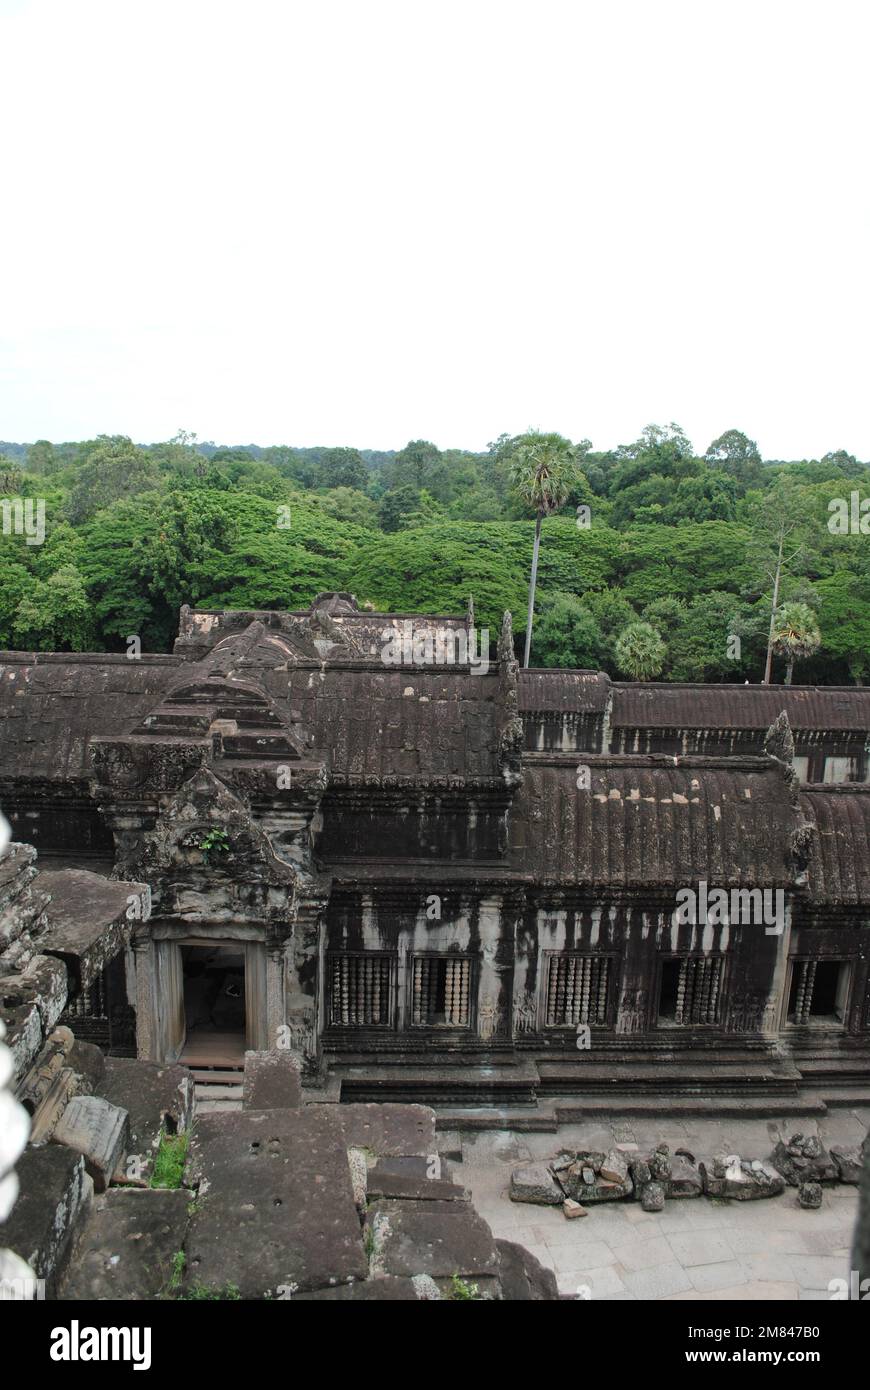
x=640, y=651
x=795, y=634
x=543, y=471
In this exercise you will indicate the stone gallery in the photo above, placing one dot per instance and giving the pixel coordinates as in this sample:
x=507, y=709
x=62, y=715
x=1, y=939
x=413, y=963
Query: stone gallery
x=445, y=881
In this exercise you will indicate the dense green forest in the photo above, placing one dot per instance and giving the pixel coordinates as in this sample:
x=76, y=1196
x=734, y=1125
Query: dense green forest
x=682, y=543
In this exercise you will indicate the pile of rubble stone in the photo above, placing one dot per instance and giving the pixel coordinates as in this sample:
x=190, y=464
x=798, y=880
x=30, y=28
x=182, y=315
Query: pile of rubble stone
x=576, y=1179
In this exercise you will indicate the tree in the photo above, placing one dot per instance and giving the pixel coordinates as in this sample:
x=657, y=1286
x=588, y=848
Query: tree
x=795, y=634
x=543, y=471
x=113, y=467
x=737, y=454
x=640, y=651
x=41, y=458
x=343, y=468
x=776, y=521
x=10, y=475
x=55, y=614
x=568, y=634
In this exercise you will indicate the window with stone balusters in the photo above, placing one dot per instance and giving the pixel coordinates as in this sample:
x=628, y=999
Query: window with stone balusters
x=577, y=989
x=818, y=992
x=690, y=991
x=360, y=990
x=441, y=991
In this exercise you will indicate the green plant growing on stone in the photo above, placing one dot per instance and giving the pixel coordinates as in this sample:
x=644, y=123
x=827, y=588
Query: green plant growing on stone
x=170, y=1160
x=461, y=1291
x=215, y=843
x=196, y=1292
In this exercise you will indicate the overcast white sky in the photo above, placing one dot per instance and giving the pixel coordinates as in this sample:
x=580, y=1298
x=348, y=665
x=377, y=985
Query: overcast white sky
x=361, y=222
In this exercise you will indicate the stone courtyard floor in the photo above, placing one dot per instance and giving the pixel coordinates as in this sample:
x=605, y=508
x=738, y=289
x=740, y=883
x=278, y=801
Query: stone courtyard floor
x=694, y=1249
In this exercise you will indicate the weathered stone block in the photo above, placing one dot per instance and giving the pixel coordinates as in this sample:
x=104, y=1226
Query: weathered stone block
x=413, y=1177
x=535, y=1183
x=278, y=1205
x=389, y=1129
x=652, y=1196
x=614, y=1168
x=685, y=1180
x=804, y=1159
x=156, y=1097
x=99, y=1131
x=522, y=1277
x=273, y=1081
x=810, y=1195
x=743, y=1180
x=848, y=1162
x=436, y=1238
x=54, y=1193
x=572, y=1210
x=127, y=1246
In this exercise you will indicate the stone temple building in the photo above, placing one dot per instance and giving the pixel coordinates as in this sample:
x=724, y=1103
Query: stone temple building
x=439, y=878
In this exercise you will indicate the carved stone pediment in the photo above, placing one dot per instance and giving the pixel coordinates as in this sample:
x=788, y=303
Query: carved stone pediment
x=207, y=829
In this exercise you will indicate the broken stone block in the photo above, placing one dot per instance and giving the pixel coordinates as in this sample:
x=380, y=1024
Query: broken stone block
x=685, y=1180
x=522, y=1277
x=640, y=1172
x=128, y=1245
x=273, y=1081
x=848, y=1161
x=652, y=1197
x=660, y=1163
x=441, y=1239
x=742, y=1180
x=414, y=1177
x=572, y=1209
x=54, y=1194
x=535, y=1183
x=99, y=1131
x=89, y=1064
x=804, y=1159
x=614, y=1168
x=562, y=1160
x=584, y=1181
x=810, y=1195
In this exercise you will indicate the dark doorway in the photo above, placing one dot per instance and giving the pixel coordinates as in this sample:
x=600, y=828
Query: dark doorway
x=214, y=1003
x=669, y=990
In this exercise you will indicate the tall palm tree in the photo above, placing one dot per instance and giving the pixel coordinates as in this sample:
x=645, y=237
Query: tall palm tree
x=543, y=471
x=795, y=634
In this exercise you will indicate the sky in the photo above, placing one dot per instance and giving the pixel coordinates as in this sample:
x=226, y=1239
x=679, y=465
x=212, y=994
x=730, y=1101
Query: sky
x=366, y=221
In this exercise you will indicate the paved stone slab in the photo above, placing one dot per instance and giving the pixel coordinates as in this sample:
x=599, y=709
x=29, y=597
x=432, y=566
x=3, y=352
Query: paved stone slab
x=275, y=1204
x=128, y=1245
x=273, y=1081
x=99, y=1131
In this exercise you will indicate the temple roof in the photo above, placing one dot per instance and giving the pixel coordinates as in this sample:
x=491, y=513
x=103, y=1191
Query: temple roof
x=649, y=822
x=669, y=705
x=839, y=869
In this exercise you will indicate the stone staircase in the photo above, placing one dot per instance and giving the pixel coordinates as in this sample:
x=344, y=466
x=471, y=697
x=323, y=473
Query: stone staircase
x=218, y=1088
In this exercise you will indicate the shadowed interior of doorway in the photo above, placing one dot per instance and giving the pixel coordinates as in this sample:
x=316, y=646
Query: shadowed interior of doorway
x=214, y=1005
